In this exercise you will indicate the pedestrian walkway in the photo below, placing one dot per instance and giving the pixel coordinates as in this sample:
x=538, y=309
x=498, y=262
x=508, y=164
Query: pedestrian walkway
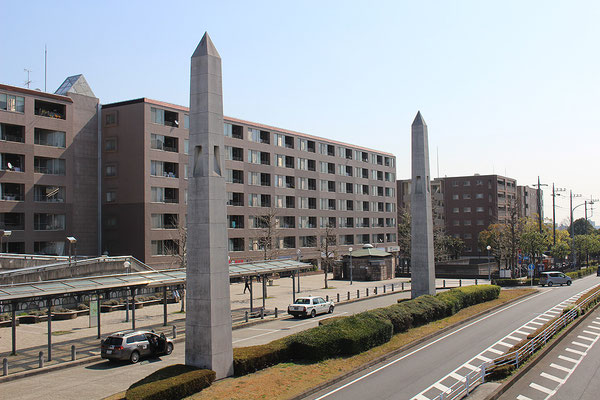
x=32, y=339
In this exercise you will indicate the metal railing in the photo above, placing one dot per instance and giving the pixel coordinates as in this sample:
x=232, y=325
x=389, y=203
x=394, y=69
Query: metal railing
x=476, y=377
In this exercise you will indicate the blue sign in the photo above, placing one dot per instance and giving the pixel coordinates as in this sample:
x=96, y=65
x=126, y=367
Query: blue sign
x=531, y=267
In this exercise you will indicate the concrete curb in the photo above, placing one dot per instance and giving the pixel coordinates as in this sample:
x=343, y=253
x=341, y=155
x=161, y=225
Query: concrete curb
x=407, y=347
x=532, y=362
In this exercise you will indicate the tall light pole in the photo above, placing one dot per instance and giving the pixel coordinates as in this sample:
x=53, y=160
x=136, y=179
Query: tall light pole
x=350, y=250
x=127, y=266
x=489, y=264
x=298, y=255
x=4, y=233
x=539, y=201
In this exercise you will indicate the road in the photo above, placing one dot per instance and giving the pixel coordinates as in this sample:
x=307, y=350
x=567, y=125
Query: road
x=570, y=371
x=424, y=372
x=101, y=379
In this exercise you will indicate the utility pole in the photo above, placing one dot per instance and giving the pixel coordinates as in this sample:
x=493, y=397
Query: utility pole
x=554, y=216
x=539, y=201
x=572, y=230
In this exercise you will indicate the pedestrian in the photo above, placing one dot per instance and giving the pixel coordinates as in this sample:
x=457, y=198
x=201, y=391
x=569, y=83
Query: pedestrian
x=176, y=296
x=246, y=285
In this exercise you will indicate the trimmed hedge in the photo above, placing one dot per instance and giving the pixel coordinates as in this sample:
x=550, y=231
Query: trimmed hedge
x=580, y=273
x=171, y=383
x=342, y=337
x=345, y=336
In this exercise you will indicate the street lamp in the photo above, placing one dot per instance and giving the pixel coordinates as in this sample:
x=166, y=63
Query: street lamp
x=72, y=241
x=298, y=255
x=489, y=263
x=127, y=266
x=350, y=249
x=2, y=234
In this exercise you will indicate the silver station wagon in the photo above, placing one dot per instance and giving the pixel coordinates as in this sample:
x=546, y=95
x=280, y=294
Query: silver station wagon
x=133, y=345
x=554, y=278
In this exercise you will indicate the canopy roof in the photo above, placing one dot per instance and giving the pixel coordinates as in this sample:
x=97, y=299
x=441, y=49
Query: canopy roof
x=370, y=252
x=63, y=287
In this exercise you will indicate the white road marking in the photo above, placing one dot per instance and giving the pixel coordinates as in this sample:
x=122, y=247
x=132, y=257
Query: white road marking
x=495, y=351
x=513, y=338
x=569, y=359
x=484, y=358
x=593, y=327
x=543, y=318
x=529, y=327
x=561, y=368
x=595, y=322
x=520, y=332
x=552, y=377
x=504, y=344
x=469, y=366
x=591, y=333
x=456, y=376
x=587, y=346
x=585, y=338
x=581, y=353
x=440, y=387
x=417, y=397
x=540, y=388
x=521, y=397
x=536, y=323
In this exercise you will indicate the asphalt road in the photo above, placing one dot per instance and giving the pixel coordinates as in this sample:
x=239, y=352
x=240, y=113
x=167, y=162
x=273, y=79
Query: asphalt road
x=101, y=379
x=570, y=371
x=423, y=372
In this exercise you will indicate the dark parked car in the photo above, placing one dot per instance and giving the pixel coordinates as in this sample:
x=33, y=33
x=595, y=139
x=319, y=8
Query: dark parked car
x=133, y=345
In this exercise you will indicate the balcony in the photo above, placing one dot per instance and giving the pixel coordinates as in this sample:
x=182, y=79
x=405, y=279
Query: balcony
x=50, y=110
x=12, y=221
x=12, y=191
x=12, y=133
x=12, y=162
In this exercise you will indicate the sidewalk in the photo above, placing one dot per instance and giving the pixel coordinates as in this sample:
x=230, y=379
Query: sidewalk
x=31, y=339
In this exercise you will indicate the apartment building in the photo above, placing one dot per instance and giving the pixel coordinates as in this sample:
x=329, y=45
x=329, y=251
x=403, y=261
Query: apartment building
x=527, y=201
x=437, y=199
x=306, y=182
x=49, y=168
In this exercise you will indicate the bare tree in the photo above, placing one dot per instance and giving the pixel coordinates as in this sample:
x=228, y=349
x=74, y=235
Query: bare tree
x=328, y=250
x=267, y=233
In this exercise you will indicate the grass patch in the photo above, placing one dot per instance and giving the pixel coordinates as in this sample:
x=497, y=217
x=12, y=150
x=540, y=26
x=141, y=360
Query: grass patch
x=287, y=380
x=178, y=312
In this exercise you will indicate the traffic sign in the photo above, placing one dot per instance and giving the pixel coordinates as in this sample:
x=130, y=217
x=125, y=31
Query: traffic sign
x=531, y=267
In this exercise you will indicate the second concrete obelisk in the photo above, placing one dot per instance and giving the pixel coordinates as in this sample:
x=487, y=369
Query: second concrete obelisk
x=208, y=313
x=422, y=266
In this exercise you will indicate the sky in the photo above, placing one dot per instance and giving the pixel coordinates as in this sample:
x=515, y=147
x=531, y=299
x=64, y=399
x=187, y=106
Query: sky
x=510, y=87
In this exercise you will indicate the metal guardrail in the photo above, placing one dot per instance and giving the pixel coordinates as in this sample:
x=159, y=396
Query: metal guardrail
x=477, y=377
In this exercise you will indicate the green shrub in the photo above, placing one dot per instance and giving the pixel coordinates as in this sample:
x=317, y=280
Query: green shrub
x=344, y=337
x=254, y=358
x=171, y=383
x=500, y=372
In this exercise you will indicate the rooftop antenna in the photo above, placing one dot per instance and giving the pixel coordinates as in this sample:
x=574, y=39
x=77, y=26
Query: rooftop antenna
x=28, y=81
x=45, y=65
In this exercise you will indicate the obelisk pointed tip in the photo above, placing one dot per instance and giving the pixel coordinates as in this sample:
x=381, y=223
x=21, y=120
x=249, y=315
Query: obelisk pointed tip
x=419, y=121
x=206, y=48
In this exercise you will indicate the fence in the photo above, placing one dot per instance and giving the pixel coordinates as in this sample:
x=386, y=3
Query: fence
x=474, y=378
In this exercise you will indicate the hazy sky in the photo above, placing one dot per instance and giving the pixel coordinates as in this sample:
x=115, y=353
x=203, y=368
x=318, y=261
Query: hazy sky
x=506, y=87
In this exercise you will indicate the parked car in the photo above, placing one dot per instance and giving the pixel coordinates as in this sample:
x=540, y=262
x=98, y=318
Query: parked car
x=310, y=306
x=598, y=272
x=554, y=278
x=134, y=345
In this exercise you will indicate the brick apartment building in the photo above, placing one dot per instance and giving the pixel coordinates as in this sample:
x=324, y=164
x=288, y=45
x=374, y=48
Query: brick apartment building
x=470, y=204
x=308, y=182
x=49, y=168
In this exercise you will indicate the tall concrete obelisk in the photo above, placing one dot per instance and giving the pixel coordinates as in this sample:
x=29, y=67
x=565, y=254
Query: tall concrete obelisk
x=208, y=313
x=422, y=266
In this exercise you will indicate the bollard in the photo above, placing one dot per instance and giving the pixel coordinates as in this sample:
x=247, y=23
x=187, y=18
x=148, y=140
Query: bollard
x=41, y=359
x=174, y=331
x=367, y=292
x=460, y=282
x=383, y=288
x=475, y=281
x=327, y=298
x=262, y=313
x=375, y=290
x=357, y=293
x=338, y=297
x=348, y=295
x=73, y=353
x=444, y=284
x=4, y=366
x=403, y=286
x=392, y=287
x=246, y=316
x=276, y=312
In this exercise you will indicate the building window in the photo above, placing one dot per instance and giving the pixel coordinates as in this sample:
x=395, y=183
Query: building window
x=49, y=222
x=12, y=133
x=466, y=196
x=479, y=209
x=12, y=191
x=111, y=197
x=164, y=117
x=9, y=102
x=110, y=144
x=164, y=169
x=165, y=195
x=233, y=131
x=110, y=221
x=479, y=222
x=455, y=210
x=308, y=241
x=467, y=183
x=12, y=221
x=235, y=221
x=50, y=166
x=110, y=119
x=467, y=209
x=234, y=153
x=479, y=196
x=236, y=244
x=467, y=222
x=258, y=136
x=186, y=121
x=13, y=247
x=165, y=143
x=235, y=199
x=110, y=170
x=166, y=247
x=165, y=221
x=50, y=110
x=49, y=194
x=49, y=248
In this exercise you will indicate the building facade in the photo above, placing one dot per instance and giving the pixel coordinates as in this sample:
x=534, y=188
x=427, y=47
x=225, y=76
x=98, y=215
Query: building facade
x=308, y=186
x=49, y=169
x=527, y=200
